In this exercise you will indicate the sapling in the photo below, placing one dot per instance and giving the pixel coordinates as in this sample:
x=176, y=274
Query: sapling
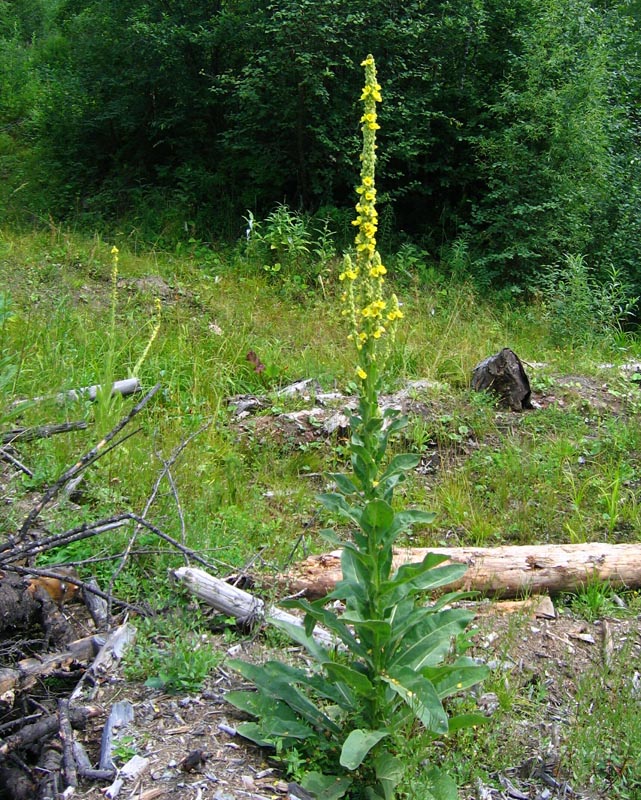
x=343, y=721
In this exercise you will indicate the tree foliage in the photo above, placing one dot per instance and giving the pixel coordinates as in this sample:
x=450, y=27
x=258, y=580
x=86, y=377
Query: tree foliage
x=512, y=125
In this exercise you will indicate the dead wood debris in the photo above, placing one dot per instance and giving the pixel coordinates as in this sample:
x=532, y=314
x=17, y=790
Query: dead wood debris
x=40, y=756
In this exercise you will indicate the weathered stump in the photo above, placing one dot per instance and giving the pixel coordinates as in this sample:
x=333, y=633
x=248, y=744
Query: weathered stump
x=503, y=375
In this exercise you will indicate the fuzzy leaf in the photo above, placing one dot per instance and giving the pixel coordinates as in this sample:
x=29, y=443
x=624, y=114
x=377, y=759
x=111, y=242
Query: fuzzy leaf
x=357, y=746
x=325, y=787
x=273, y=680
x=465, y=721
x=377, y=516
x=403, y=462
x=300, y=636
x=389, y=771
x=336, y=503
x=356, y=681
x=440, y=785
x=420, y=696
x=254, y=732
x=452, y=678
x=259, y=705
x=429, y=642
x=344, y=483
x=330, y=621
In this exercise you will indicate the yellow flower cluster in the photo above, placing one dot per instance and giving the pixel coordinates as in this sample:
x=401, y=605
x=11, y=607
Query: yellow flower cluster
x=371, y=316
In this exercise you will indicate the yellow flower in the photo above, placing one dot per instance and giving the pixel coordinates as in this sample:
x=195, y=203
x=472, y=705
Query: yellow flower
x=114, y=251
x=368, y=61
x=361, y=373
x=378, y=332
x=368, y=180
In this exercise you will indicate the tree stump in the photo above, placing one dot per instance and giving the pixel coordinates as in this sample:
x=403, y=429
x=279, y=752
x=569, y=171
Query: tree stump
x=503, y=375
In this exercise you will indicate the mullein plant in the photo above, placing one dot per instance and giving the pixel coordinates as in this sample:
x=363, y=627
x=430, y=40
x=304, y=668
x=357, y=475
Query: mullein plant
x=342, y=725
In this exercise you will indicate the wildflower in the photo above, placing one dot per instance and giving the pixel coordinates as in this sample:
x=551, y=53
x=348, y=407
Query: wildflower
x=361, y=373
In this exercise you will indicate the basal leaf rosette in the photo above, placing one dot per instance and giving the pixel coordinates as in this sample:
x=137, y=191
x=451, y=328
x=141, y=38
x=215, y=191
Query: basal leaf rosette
x=372, y=315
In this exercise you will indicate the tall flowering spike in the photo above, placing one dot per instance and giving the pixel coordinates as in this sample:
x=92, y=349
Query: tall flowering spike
x=371, y=315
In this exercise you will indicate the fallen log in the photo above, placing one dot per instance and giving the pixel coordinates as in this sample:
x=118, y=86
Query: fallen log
x=507, y=571
x=234, y=602
x=123, y=387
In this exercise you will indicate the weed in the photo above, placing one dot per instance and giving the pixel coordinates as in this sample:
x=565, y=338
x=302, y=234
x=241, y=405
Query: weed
x=398, y=663
x=594, y=601
x=171, y=654
x=580, y=307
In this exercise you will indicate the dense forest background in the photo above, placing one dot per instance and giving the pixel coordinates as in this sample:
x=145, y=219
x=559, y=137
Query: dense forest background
x=510, y=129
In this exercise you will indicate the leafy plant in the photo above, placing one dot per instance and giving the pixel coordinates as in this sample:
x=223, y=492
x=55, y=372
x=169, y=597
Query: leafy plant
x=395, y=660
x=292, y=246
x=580, y=307
x=171, y=655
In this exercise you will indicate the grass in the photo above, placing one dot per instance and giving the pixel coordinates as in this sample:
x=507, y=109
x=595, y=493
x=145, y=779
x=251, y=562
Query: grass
x=561, y=473
x=569, y=471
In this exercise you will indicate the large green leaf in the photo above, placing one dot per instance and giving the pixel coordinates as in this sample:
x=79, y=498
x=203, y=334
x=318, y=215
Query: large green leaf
x=429, y=642
x=377, y=516
x=259, y=705
x=403, y=520
x=420, y=696
x=330, y=621
x=401, y=463
x=254, y=732
x=273, y=679
x=277, y=728
x=356, y=681
x=452, y=678
x=417, y=577
x=337, y=504
x=389, y=771
x=357, y=746
x=344, y=483
x=325, y=787
x=300, y=636
x=375, y=634
x=440, y=785
x=466, y=721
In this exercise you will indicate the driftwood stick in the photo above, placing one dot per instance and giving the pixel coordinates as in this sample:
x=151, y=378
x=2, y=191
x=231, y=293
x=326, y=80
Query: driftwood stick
x=87, y=459
x=85, y=770
x=123, y=387
x=97, y=606
x=121, y=714
x=49, y=765
x=40, y=432
x=6, y=456
x=237, y=603
x=109, y=654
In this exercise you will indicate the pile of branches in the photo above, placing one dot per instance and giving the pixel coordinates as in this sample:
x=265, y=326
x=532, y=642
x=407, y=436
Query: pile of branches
x=41, y=755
